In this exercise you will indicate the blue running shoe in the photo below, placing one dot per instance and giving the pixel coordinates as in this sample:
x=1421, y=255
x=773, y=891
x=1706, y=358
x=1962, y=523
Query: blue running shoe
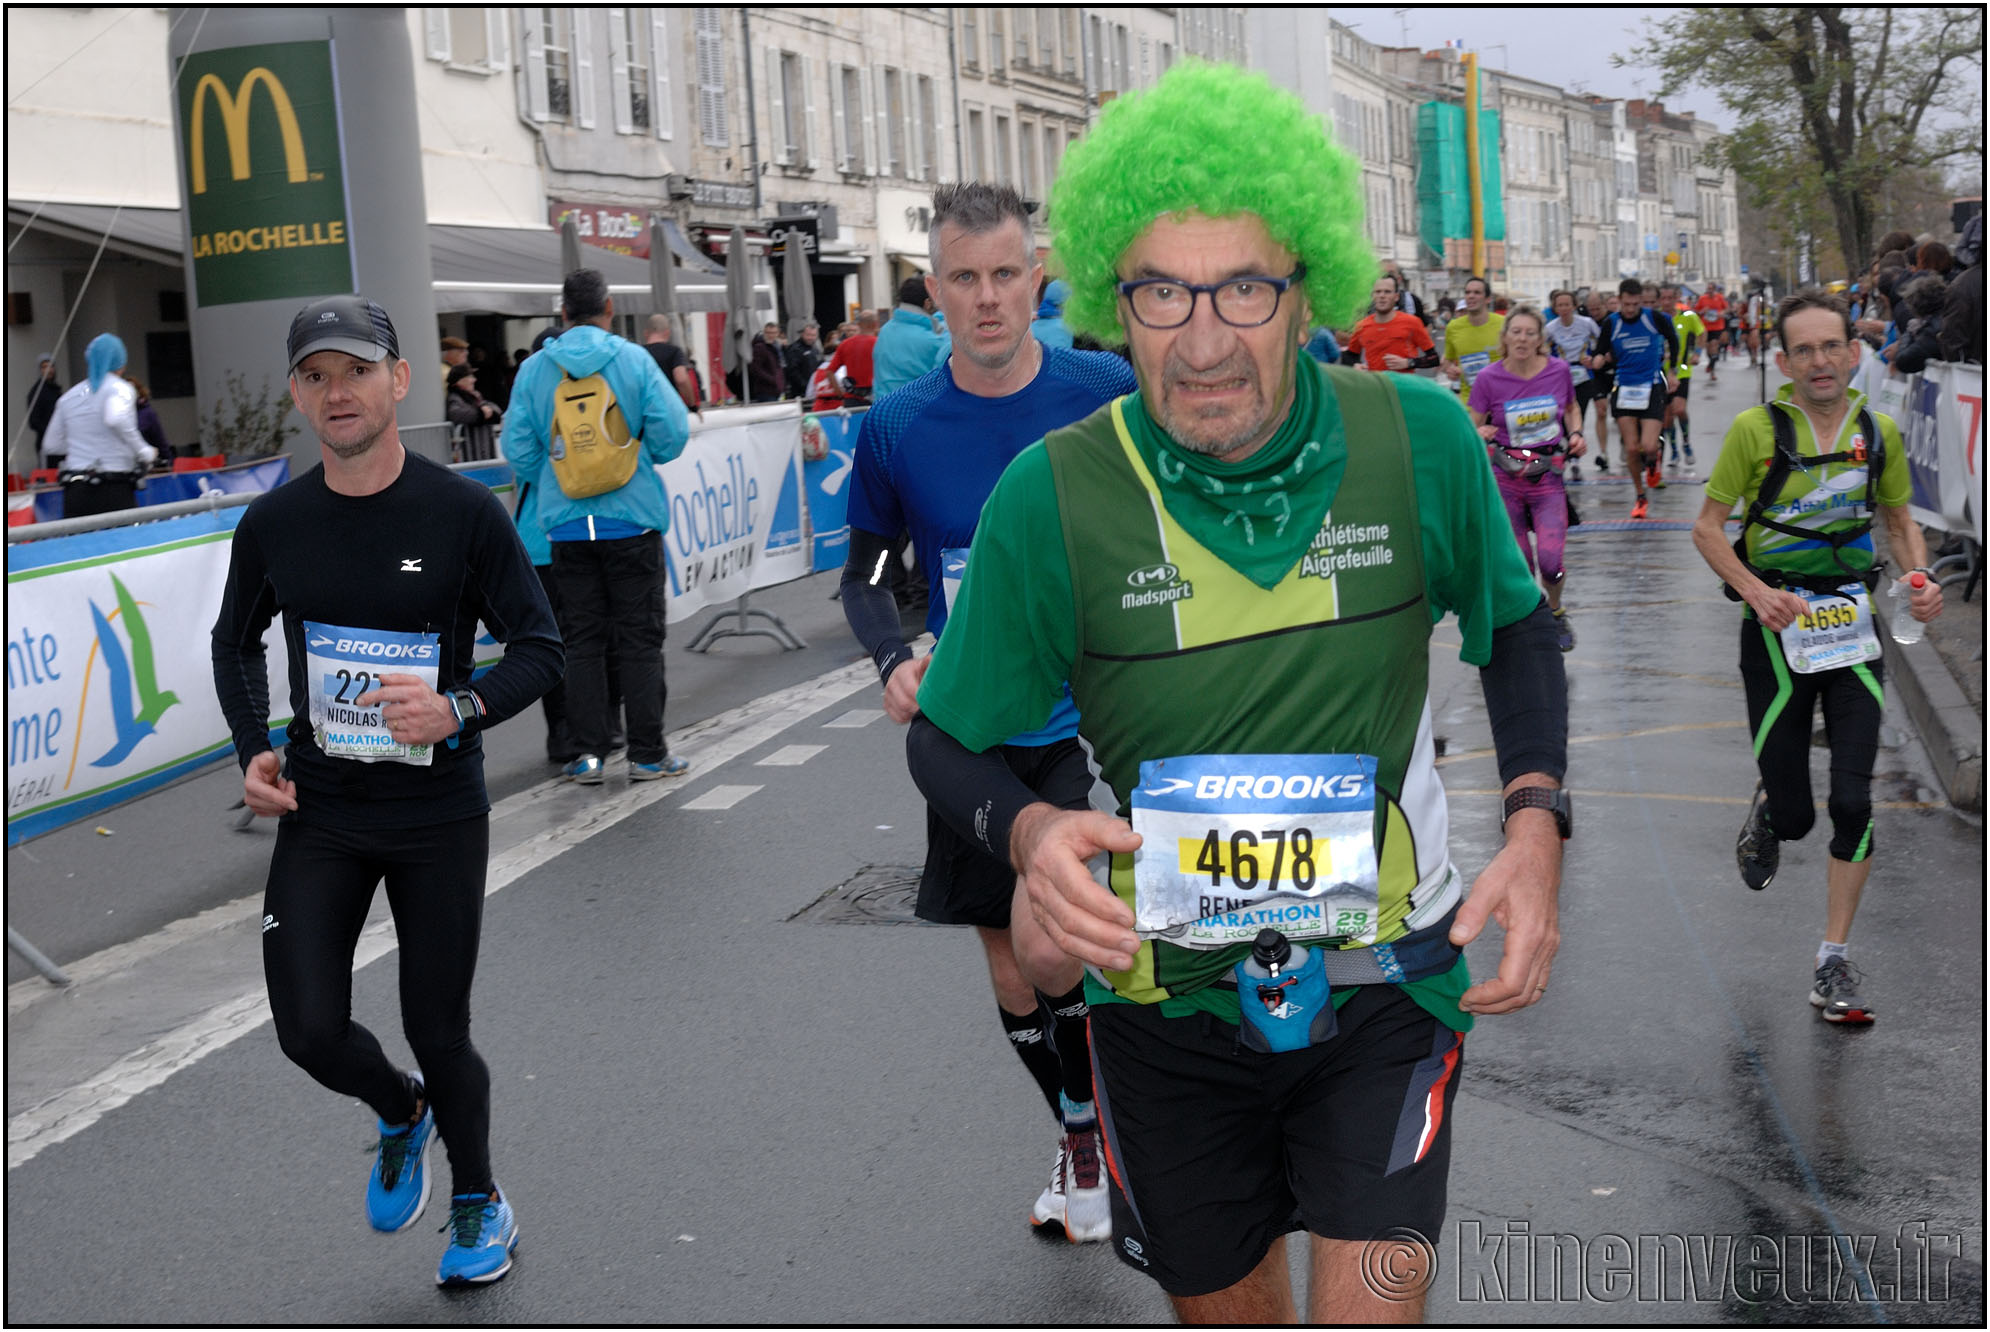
x=397, y=1191
x=672, y=766
x=482, y=1235
x=586, y=770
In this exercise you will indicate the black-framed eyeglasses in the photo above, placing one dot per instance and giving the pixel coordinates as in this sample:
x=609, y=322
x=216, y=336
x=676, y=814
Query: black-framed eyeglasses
x=1241, y=302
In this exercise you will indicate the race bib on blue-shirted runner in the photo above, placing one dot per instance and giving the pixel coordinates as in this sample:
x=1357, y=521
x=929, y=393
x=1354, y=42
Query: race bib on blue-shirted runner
x=953, y=568
x=340, y=664
x=1235, y=843
x=1633, y=397
x=1836, y=631
x=1533, y=423
x=1473, y=362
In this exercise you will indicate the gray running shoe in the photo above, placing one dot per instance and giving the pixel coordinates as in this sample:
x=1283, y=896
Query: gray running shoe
x=1564, y=633
x=1757, y=850
x=1834, y=993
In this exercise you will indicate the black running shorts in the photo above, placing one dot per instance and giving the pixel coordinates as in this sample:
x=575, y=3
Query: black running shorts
x=1653, y=411
x=962, y=884
x=1588, y=391
x=1685, y=388
x=1215, y=1151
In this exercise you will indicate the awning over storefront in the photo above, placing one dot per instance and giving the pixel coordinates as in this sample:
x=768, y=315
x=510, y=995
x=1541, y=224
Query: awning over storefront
x=156, y=234
x=478, y=270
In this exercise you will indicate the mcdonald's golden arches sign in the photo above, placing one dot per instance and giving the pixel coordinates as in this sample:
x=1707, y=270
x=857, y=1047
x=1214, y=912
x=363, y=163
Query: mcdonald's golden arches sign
x=265, y=185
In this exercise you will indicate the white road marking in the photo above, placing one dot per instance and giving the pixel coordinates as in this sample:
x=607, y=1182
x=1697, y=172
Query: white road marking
x=854, y=718
x=721, y=797
x=569, y=815
x=790, y=756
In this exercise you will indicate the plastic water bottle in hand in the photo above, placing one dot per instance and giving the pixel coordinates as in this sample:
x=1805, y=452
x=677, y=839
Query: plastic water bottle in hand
x=1907, y=629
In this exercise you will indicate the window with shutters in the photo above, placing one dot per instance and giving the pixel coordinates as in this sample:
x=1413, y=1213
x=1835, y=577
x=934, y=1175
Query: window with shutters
x=635, y=71
x=1071, y=41
x=970, y=38
x=789, y=108
x=1004, y=173
x=1022, y=26
x=850, y=104
x=473, y=41
x=557, y=43
x=927, y=111
x=1026, y=154
x=977, y=145
x=998, y=40
x=712, y=124
x=1047, y=23
x=469, y=37
x=897, y=163
x=1052, y=141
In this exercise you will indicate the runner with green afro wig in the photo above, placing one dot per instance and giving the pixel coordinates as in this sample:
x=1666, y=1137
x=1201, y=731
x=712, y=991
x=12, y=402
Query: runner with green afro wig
x=1216, y=140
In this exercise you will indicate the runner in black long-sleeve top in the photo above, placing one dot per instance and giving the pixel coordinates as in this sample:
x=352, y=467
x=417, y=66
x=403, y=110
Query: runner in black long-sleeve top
x=381, y=564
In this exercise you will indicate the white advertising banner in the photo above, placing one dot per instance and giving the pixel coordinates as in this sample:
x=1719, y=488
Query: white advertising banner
x=736, y=517
x=110, y=681
x=1959, y=427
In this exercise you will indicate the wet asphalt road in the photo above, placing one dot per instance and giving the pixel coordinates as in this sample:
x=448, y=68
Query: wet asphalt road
x=711, y=1105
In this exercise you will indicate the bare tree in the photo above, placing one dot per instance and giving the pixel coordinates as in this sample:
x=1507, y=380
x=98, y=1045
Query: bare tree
x=1833, y=103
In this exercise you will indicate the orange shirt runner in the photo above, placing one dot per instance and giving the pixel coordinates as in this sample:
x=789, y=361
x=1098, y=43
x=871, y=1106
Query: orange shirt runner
x=1402, y=335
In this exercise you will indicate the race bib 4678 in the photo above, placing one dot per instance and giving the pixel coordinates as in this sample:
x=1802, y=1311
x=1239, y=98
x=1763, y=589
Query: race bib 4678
x=1223, y=834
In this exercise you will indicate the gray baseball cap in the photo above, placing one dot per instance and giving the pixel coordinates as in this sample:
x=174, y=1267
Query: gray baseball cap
x=349, y=324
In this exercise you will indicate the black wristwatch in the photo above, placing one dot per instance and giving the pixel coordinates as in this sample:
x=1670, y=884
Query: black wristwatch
x=1554, y=799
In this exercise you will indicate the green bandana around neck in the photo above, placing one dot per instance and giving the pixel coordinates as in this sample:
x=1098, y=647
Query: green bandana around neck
x=1261, y=514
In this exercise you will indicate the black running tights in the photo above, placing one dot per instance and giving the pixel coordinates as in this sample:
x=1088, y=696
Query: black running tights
x=321, y=883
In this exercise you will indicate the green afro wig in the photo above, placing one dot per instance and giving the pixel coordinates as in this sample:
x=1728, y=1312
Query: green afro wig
x=1216, y=140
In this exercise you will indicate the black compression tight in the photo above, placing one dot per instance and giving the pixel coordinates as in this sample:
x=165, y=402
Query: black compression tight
x=321, y=883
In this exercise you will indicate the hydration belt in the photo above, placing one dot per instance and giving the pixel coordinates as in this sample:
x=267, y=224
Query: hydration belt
x=96, y=478
x=1416, y=956
x=1781, y=460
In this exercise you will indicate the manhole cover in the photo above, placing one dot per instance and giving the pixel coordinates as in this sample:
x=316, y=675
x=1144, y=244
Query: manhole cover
x=874, y=895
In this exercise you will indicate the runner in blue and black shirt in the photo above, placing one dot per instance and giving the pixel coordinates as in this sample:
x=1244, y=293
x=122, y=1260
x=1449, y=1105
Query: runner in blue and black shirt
x=1642, y=349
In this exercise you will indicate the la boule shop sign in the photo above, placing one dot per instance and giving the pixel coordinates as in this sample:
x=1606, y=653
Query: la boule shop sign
x=264, y=181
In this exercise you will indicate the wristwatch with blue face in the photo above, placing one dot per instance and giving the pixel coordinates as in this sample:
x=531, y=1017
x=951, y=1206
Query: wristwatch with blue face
x=1554, y=799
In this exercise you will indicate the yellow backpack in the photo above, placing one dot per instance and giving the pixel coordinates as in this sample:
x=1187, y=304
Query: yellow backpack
x=592, y=450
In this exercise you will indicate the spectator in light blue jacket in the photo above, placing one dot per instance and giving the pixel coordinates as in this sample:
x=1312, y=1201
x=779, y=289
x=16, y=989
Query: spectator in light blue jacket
x=607, y=549
x=909, y=346
x=1048, y=327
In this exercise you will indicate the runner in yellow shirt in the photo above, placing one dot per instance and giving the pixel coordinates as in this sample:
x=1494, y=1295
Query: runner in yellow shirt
x=1471, y=340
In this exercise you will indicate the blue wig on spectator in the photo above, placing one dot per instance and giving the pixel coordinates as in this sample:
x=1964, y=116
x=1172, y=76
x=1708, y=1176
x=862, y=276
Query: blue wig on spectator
x=105, y=356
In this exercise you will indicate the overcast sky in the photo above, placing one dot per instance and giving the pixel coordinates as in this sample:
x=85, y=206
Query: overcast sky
x=1568, y=47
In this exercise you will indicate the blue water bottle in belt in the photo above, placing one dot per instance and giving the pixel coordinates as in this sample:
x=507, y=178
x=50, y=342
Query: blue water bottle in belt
x=1283, y=991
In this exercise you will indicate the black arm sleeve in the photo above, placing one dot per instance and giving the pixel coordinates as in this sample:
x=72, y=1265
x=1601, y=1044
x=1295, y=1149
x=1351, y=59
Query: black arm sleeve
x=1348, y=356
x=515, y=610
x=977, y=794
x=241, y=666
x=868, y=604
x=1527, y=697
x=1424, y=360
x=1671, y=346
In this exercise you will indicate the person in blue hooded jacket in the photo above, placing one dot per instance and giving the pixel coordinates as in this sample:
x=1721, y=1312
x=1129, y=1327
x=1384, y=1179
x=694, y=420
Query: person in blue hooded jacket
x=1048, y=327
x=909, y=345
x=607, y=549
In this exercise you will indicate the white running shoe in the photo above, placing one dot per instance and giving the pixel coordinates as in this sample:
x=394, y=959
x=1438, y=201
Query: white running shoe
x=1050, y=1204
x=1087, y=1195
